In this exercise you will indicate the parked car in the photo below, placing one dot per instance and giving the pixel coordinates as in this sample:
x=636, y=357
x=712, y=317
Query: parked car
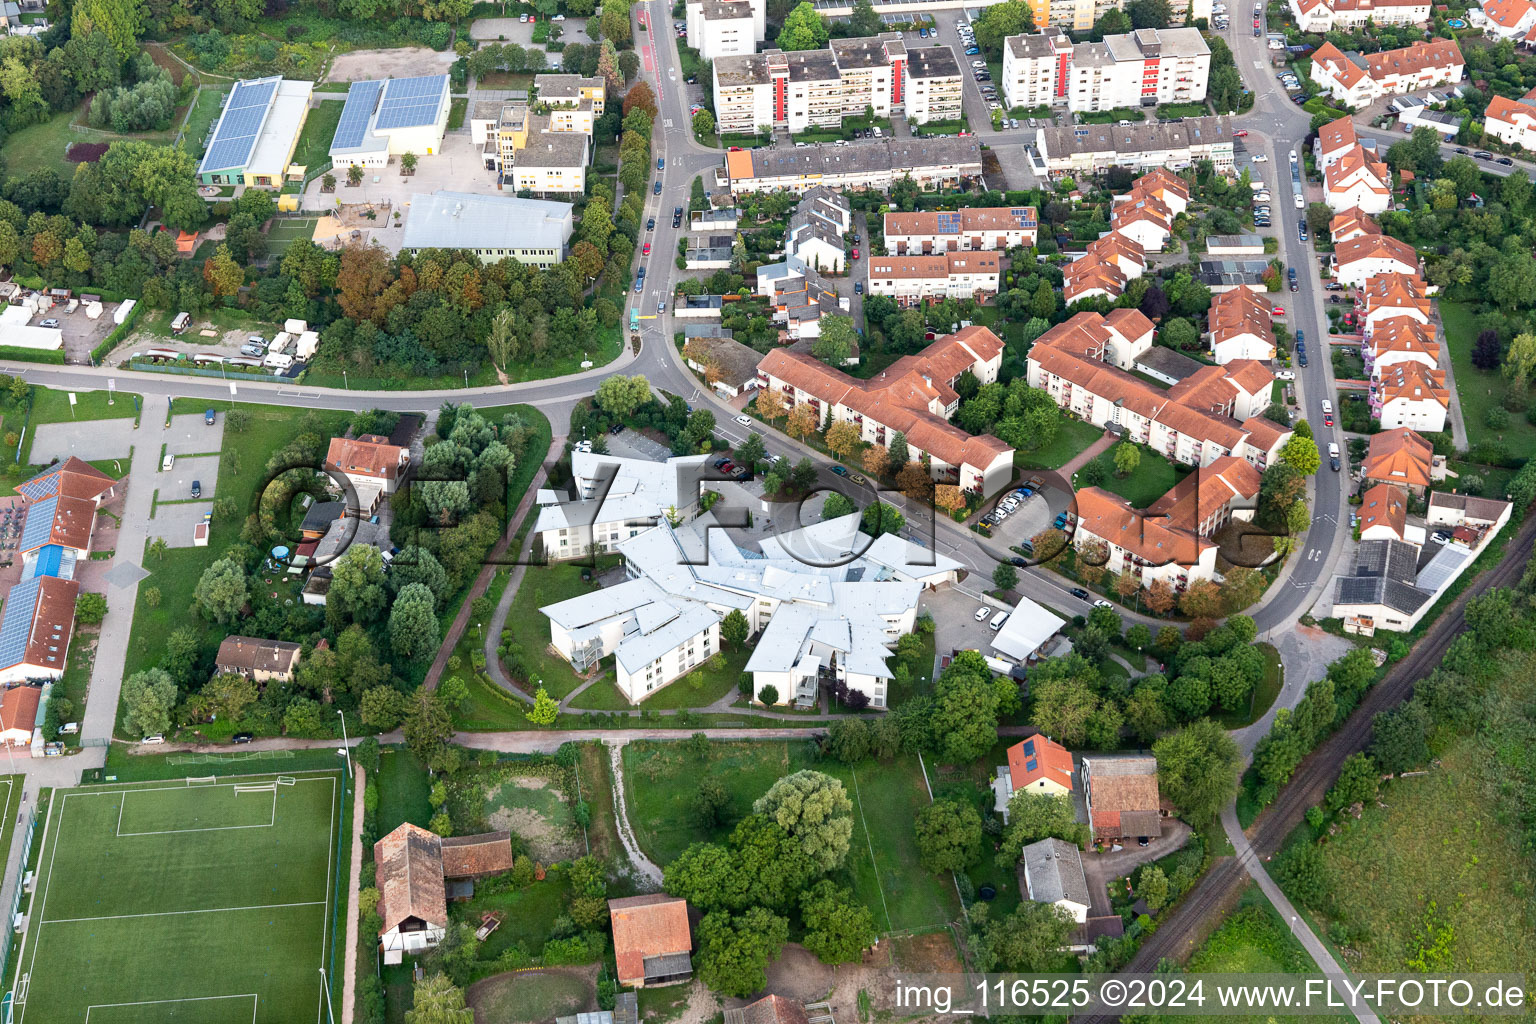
x=645, y=250
x=209, y=417
x=1240, y=133
x=1260, y=158
x=251, y=350
x=240, y=737
x=1079, y=593
x=50, y=322
x=858, y=287
x=1285, y=375
x=971, y=51
x=1061, y=521
x=855, y=252
x=661, y=163
x=1277, y=311
x=197, y=488
x=997, y=623
x=840, y=470
x=650, y=225
x=1506, y=161
x=656, y=187
x=982, y=613
x=745, y=421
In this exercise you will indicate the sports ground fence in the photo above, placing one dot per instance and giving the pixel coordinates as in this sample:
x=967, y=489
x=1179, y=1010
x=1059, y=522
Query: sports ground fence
x=8, y=934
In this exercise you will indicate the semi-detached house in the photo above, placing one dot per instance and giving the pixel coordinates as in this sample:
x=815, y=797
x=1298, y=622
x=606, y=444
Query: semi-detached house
x=949, y=275
x=973, y=229
x=1351, y=223
x=1357, y=180
x=1512, y=121
x=1364, y=257
x=914, y=396
x=1506, y=19
x=1357, y=79
x=1104, y=268
x=1240, y=327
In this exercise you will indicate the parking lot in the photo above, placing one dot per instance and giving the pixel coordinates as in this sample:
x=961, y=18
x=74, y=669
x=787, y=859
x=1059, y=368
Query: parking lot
x=1028, y=517
x=88, y=439
x=954, y=615
x=191, y=435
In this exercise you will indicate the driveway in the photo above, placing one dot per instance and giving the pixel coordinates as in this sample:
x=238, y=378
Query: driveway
x=87, y=439
x=954, y=615
x=1103, y=868
x=191, y=435
x=177, y=484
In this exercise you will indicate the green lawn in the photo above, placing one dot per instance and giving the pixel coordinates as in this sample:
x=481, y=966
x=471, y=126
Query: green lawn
x=403, y=786
x=314, y=146
x=545, y=585
x=41, y=146
x=528, y=915
x=162, y=893
x=1148, y=482
x=1263, y=695
x=713, y=683
x=882, y=866
x=457, y=108
x=1481, y=390
x=1072, y=438
x=205, y=110
x=520, y=997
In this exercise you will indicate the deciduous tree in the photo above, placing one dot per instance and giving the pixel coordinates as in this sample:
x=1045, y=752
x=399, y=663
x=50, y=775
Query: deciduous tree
x=813, y=809
x=948, y=835
x=1197, y=768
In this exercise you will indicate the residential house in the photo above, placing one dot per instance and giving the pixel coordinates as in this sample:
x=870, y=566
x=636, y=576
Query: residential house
x=1104, y=269
x=932, y=162
x=1505, y=19
x=1513, y=121
x=1464, y=510
x=411, y=870
x=949, y=275
x=1334, y=140
x=1343, y=15
x=1399, y=339
x=1090, y=148
x=1051, y=871
x=925, y=232
x=1409, y=394
x=1350, y=224
x=1384, y=513
x=371, y=466
x=1365, y=256
x=258, y=660
x=652, y=940
x=1084, y=365
x=1357, y=180
x=1404, y=459
x=728, y=366
x=1240, y=327
x=726, y=28
x=1142, y=218
x=1122, y=796
x=1038, y=765
x=1357, y=79
x=1386, y=296
x=914, y=396
x=806, y=89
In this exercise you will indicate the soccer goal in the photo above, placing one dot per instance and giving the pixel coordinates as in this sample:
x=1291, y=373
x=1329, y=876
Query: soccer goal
x=287, y=780
x=256, y=787
x=207, y=780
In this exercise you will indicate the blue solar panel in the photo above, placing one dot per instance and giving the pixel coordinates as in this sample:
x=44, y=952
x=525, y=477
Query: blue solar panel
x=1030, y=766
x=353, y=126
x=16, y=624
x=411, y=102
x=949, y=222
x=1029, y=748
x=39, y=524
x=235, y=137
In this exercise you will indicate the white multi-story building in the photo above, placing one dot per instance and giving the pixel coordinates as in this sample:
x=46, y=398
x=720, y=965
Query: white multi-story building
x=1143, y=68
x=1360, y=259
x=1331, y=15
x=1506, y=19
x=1410, y=394
x=1393, y=295
x=1357, y=180
x=1080, y=15
x=615, y=499
x=1512, y=121
x=1400, y=339
x=943, y=161
x=971, y=230
x=1357, y=79
x=915, y=396
x=726, y=28
x=949, y=275
x=807, y=89
x=1241, y=327
x=1092, y=148
x=1037, y=68
x=1084, y=365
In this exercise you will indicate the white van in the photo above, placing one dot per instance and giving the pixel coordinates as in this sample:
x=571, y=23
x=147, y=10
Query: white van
x=165, y=466
x=1333, y=449
x=1327, y=407
x=997, y=623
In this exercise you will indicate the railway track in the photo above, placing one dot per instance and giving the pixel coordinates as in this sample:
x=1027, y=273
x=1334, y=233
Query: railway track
x=1220, y=887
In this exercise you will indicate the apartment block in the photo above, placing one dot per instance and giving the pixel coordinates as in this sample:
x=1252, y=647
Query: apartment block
x=914, y=396
x=726, y=28
x=1141, y=68
x=1356, y=79
x=1093, y=148
x=1037, y=68
x=973, y=229
x=1331, y=15
x=942, y=161
x=808, y=89
x=950, y=275
x=1080, y=15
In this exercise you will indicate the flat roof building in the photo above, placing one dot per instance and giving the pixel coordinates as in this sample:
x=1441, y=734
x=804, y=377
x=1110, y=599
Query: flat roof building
x=256, y=134
x=391, y=117
x=532, y=231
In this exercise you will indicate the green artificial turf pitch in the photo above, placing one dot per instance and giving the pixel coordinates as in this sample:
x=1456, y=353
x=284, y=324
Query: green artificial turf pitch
x=206, y=901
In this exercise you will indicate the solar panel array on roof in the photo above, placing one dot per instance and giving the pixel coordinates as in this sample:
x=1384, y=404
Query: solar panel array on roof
x=38, y=526
x=1031, y=765
x=361, y=100
x=410, y=102
x=16, y=623
x=949, y=223
x=1029, y=748
x=240, y=125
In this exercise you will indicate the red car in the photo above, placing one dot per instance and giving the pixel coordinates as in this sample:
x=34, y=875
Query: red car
x=646, y=249
x=1327, y=419
x=1277, y=311
x=1241, y=133
x=855, y=252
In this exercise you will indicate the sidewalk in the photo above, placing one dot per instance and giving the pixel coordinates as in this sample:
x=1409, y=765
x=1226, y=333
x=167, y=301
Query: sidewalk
x=1087, y=455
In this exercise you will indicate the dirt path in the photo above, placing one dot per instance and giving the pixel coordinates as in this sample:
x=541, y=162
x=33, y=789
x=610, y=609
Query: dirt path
x=641, y=862
x=349, y=975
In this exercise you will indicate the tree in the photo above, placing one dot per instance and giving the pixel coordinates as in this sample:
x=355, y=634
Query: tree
x=1520, y=360
x=1004, y=576
x=710, y=801
x=1149, y=13
x=964, y=715
x=848, y=740
x=899, y=456
x=802, y=422
x=734, y=629
x=1300, y=453
x=835, y=344
x=382, y=707
x=436, y=1000
x=1146, y=712
x=1000, y=21
x=734, y=950
x=147, y=698
x=1034, y=816
x=1400, y=737
x=836, y=506
x=948, y=835
x=1202, y=600
x=90, y=609
x=751, y=451
x=803, y=29
x=358, y=592
x=1359, y=780
x=221, y=592
x=837, y=927
x=882, y=518
x=1127, y=458
x=768, y=695
x=1063, y=705
x=413, y=626
x=1153, y=887
x=428, y=727
x=223, y=275
x=770, y=404
x=545, y=709
x=1179, y=333
x=621, y=396
x=876, y=460
x=703, y=123
x=1197, y=768
x=843, y=438
x=229, y=693
x=814, y=809
x=121, y=21
x=1029, y=939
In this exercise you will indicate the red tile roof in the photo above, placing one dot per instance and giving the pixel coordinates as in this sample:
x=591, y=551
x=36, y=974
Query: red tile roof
x=1414, y=382
x=18, y=709
x=1368, y=247
x=1349, y=222
x=1046, y=759
x=647, y=926
x=1384, y=505
x=1401, y=457
x=368, y=455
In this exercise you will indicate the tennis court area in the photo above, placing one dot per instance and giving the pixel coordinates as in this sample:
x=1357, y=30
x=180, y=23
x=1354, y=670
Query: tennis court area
x=200, y=900
x=287, y=230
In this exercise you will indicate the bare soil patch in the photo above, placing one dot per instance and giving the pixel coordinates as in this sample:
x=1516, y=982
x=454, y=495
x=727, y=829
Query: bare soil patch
x=534, y=997
x=403, y=62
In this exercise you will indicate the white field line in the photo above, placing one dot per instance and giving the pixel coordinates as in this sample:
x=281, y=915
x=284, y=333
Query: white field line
x=271, y=821
x=182, y=913
x=252, y=996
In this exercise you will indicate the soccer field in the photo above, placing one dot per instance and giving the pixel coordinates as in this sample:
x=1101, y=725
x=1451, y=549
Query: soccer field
x=285, y=231
x=207, y=901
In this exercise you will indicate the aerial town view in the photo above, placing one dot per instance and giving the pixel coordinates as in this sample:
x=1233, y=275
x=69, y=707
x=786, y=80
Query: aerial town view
x=767, y=511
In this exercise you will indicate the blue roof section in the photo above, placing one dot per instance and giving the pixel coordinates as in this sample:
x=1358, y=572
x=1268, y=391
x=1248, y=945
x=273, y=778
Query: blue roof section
x=362, y=98
x=240, y=125
x=50, y=560
x=411, y=102
x=39, y=524
x=16, y=622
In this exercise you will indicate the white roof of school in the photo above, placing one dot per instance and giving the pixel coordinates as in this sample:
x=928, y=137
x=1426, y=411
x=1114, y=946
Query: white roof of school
x=463, y=220
x=258, y=126
x=621, y=490
x=1028, y=627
